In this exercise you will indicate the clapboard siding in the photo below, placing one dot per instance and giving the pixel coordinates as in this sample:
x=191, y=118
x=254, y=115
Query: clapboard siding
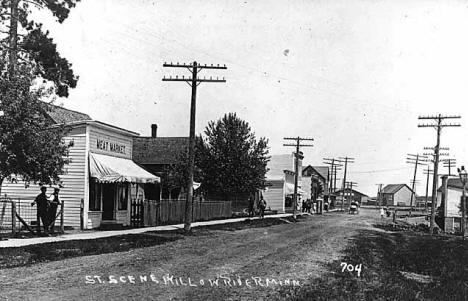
x=274, y=195
x=111, y=137
x=72, y=179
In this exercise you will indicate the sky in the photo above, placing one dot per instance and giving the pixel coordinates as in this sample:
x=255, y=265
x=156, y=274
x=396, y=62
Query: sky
x=353, y=75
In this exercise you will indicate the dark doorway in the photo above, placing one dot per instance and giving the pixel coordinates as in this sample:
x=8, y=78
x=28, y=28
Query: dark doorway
x=108, y=193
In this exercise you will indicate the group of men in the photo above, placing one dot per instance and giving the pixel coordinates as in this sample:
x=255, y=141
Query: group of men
x=261, y=206
x=307, y=205
x=47, y=208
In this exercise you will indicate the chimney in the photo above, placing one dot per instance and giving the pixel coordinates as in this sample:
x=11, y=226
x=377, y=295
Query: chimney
x=154, y=130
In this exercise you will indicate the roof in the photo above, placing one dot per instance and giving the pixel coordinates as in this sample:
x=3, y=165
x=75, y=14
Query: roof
x=61, y=115
x=394, y=188
x=353, y=190
x=321, y=170
x=158, y=150
x=455, y=183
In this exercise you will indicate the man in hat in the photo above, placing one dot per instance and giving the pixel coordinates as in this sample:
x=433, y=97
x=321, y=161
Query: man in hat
x=42, y=207
x=54, y=202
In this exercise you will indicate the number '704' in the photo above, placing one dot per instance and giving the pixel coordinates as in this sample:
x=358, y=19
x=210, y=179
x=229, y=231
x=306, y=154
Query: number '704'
x=351, y=268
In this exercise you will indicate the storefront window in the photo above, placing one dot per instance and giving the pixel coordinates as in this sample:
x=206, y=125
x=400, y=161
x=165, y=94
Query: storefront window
x=122, y=196
x=94, y=196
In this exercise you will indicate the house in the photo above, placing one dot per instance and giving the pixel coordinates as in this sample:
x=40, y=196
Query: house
x=317, y=175
x=351, y=195
x=280, y=182
x=450, y=199
x=396, y=195
x=100, y=182
x=157, y=154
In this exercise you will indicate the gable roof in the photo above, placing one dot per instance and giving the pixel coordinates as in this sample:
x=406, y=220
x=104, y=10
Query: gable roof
x=394, y=188
x=158, y=150
x=321, y=170
x=353, y=190
x=61, y=115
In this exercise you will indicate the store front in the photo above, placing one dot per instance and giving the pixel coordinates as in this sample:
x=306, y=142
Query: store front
x=100, y=182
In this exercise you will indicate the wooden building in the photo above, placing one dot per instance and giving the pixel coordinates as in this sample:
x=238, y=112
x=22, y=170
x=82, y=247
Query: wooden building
x=451, y=198
x=101, y=180
x=157, y=154
x=280, y=182
x=397, y=195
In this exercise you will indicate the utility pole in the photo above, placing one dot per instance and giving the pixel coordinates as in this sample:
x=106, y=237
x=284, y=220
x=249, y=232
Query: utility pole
x=449, y=163
x=379, y=194
x=346, y=161
x=414, y=159
x=350, y=188
x=427, y=172
x=438, y=125
x=13, y=44
x=297, y=145
x=193, y=81
x=334, y=163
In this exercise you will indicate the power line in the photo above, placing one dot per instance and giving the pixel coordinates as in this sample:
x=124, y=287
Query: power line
x=193, y=81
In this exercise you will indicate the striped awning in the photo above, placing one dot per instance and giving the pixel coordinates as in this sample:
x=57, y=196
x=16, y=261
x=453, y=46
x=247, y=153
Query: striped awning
x=108, y=169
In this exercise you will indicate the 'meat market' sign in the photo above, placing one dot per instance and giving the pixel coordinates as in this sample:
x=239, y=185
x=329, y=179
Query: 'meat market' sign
x=110, y=146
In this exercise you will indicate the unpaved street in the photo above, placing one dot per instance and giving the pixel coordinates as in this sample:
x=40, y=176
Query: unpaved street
x=250, y=264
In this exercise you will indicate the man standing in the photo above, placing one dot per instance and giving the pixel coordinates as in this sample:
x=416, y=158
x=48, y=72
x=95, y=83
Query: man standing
x=54, y=202
x=42, y=207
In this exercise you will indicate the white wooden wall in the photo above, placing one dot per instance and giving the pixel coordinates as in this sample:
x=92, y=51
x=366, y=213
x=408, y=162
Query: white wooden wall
x=73, y=180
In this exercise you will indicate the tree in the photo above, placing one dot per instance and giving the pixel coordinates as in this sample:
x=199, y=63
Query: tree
x=176, y=175
x=29, y=45
x=231, y=159
x=31, y=148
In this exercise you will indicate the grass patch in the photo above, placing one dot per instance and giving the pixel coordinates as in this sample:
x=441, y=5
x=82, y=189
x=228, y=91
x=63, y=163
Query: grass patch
x=28, y=255
x=386, y=258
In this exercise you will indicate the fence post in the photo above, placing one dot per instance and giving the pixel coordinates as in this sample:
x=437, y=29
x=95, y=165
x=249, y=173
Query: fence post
x=13, y=218
x=38, y=222
x=81, y=214
x=62, y=228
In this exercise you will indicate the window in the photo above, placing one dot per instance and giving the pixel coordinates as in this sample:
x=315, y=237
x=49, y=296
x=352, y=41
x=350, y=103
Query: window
x=122, y=196
x=94, y=196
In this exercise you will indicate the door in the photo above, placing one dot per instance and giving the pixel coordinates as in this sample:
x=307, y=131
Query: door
x=108, y=193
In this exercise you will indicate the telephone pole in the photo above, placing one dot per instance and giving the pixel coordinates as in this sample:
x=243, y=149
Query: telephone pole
x=379, y=193
x=350, y=188
x=416, y=160
x=346, y=161
x=449, y=163
x=193, y=81
x=438, y=125
x=334, y=163
x=427, y=172
x=297, y=145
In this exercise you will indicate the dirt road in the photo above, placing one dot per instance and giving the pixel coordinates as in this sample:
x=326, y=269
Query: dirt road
x=249, y=264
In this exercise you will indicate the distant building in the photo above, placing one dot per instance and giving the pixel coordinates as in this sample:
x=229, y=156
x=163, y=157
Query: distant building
x=353, y=195
x=318, y=175
x=396, y=195
x=280, y=182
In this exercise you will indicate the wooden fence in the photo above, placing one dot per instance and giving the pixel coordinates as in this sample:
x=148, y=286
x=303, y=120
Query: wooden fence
x=173, y=211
